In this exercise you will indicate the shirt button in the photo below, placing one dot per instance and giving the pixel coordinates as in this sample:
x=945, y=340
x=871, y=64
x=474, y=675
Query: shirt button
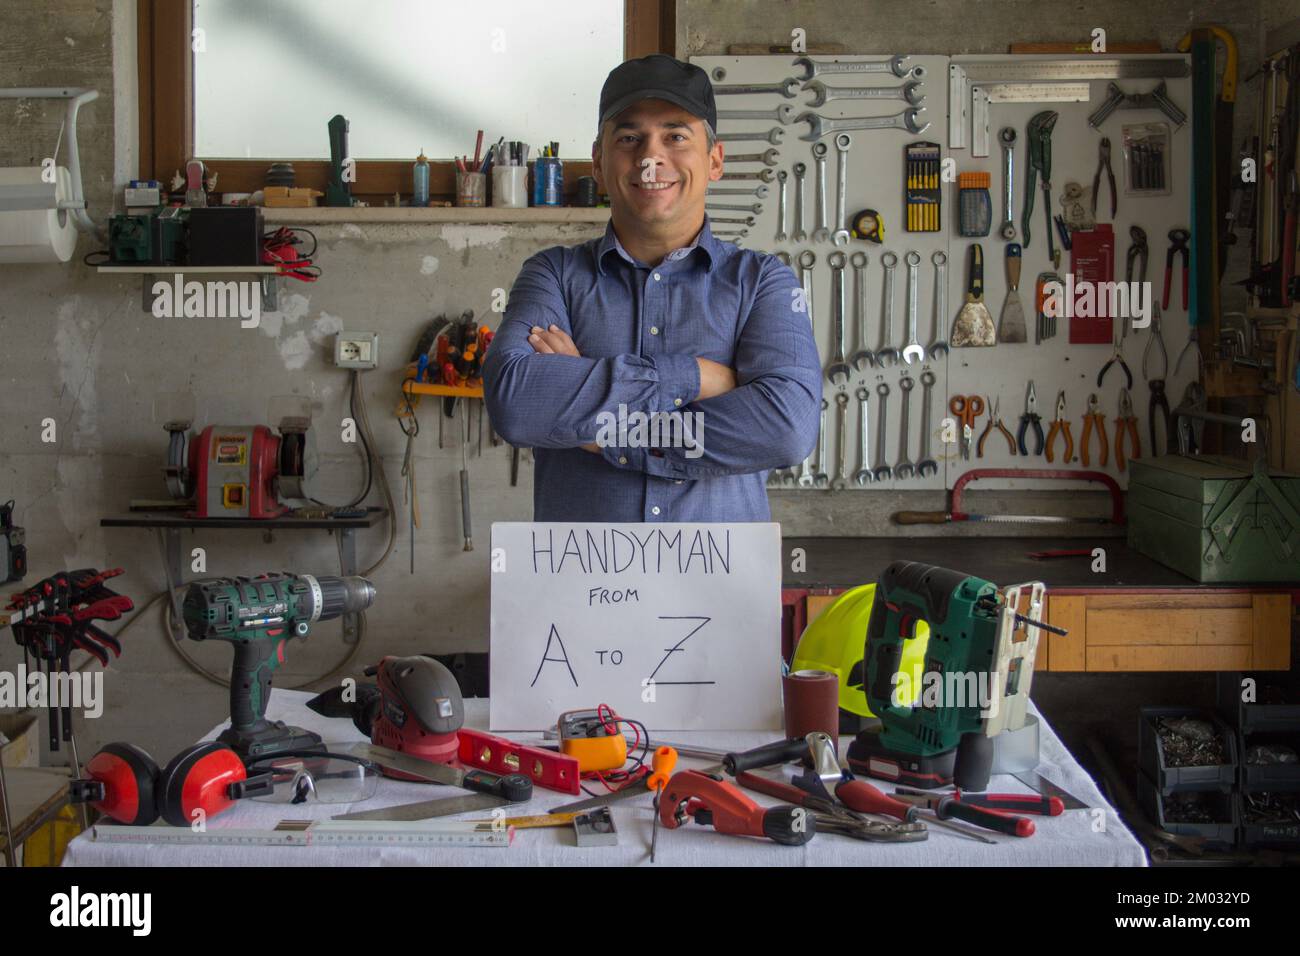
x=656, y=277
x=622, y=460
x=654, y=511
x=654, y=330
x=678, y=481
x=677, y=401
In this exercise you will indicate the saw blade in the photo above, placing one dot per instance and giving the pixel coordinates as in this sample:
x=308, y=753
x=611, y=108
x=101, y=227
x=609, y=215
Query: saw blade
x=427, y=809
x=1045, y=788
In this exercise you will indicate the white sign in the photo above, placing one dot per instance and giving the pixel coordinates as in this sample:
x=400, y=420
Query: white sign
x=675, y=625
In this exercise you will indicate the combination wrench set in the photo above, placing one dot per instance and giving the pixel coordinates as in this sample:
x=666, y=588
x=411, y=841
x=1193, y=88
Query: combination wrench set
x=880, y=363
x=870, y=361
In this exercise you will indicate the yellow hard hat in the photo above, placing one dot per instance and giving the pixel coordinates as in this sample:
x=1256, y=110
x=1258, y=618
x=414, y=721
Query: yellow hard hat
x=834, y=643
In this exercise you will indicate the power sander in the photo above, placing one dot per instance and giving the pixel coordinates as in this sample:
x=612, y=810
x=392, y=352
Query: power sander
x=979, y=665
x=415, y=708
x=258, y=615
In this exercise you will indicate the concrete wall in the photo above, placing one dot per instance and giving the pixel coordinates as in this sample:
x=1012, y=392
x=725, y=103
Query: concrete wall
x=76, y=347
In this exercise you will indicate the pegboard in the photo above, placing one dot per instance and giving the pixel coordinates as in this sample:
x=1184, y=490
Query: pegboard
x=875, y=179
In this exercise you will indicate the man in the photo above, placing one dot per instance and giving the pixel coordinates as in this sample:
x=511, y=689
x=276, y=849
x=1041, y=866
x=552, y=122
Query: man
x=656, y=320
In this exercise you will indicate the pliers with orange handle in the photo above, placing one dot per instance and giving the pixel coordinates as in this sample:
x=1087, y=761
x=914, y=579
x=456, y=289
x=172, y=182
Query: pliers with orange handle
x=995, y=421
x=1060, y=426
x=1094, y=418
x=1126, y=423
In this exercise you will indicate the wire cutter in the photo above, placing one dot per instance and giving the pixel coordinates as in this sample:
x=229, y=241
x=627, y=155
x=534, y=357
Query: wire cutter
x=995, y=421
x=1137, y=253
x=1158, y=400
x=1030, y=417
x=1103, y=162
x=1060, y=425
x=1116, y=356
x=1177, y=246
x=967, y=408
x=1094, y=418
x=1126, y=423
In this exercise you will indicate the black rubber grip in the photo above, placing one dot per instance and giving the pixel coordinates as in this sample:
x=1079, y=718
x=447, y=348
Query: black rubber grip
x=789, y=826
x=974, y=763
x=781, y=751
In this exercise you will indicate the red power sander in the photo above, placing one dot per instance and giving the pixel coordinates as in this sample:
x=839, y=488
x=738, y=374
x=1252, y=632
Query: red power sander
x=415, y=709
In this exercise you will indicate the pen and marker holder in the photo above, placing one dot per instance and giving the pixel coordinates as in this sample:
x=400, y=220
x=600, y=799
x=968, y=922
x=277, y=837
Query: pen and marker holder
x=510, y=187
x=471, y=189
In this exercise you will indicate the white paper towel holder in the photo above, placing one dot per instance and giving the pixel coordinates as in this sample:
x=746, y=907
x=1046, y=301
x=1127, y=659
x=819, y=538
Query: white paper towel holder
x=15, y=199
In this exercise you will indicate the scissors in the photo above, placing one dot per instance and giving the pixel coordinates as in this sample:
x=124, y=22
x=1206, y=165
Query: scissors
x=967, y=408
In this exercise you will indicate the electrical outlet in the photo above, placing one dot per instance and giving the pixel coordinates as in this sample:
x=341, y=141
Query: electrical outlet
x=356, y=350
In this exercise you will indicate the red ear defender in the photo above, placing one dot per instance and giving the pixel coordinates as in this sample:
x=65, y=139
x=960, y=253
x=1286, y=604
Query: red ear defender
x=199, y=779
x=121, y=784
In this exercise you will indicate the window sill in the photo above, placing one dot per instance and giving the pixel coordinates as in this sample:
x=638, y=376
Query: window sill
x=326, y=215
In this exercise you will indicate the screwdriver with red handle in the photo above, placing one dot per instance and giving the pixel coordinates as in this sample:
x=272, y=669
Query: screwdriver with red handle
x=945, y=805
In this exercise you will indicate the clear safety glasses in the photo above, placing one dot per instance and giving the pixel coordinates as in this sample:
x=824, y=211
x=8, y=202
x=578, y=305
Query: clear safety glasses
x=300, y=775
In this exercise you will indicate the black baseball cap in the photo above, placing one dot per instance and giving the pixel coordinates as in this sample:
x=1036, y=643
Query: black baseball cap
x=658, y=77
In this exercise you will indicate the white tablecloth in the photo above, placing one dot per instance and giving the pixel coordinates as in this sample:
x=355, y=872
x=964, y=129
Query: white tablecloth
x=1076, y=838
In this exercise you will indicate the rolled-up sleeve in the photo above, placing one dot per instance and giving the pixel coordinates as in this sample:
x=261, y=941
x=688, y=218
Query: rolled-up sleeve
x=557, y=401
x=770, y=419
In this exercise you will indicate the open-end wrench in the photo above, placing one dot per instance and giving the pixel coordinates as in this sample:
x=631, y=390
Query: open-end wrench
x=768, y=158
x=841, y=480
x=758, y=191
x=782, y=178
x=820, y=232
x=882, y=471
x=746, y=221
x=783, y=114
x=766, y=175
x=887, y=354
x=1007, y=137
x=863, y=476
x=837, y=369
x=819, y=126
x=909, y=92
x=912, y=352
x=774, y=136
x=895, y=65
x=904, y=467
x=863, y=358
x=755, y=208
x=789, y=88
x=808, y=259
x=939, y=347
x=927, y=466
x=800, y=233
x=820, y=478
x=842, y=143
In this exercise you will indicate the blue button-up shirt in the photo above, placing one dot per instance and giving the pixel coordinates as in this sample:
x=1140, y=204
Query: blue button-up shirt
x=639, y=330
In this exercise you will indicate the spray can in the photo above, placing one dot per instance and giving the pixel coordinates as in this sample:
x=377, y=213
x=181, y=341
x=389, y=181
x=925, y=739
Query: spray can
x=420, y=175
x=548, y=181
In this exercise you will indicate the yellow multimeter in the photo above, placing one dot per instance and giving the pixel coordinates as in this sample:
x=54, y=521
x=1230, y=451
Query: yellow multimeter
x=585, y=736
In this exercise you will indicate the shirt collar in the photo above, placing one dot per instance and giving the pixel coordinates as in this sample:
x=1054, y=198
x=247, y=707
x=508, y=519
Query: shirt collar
x=703, y=241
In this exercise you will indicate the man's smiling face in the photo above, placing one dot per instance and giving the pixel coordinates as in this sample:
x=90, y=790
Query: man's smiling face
x=655, y=163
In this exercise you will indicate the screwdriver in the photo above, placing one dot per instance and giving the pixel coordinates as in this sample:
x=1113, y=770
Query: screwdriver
x=665, y=760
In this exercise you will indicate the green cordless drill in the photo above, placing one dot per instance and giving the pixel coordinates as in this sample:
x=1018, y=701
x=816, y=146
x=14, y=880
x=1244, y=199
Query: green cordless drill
x=257, y=615
x=979, y=665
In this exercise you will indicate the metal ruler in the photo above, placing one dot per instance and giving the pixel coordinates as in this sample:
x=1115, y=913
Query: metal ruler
x=312, y=833
x=985, y=93
x=427, y=809
x=961, y=75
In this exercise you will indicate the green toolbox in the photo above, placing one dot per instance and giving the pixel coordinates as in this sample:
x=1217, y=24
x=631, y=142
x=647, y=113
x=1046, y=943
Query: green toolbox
x=1216, y=519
